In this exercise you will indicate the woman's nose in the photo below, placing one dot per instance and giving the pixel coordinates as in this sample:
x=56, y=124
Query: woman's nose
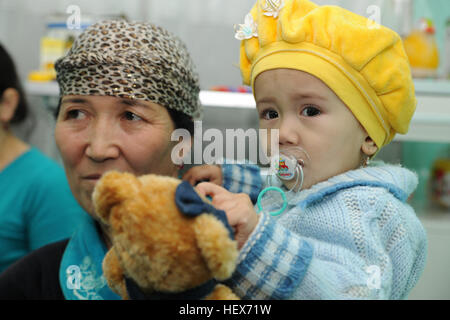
x=102, y=144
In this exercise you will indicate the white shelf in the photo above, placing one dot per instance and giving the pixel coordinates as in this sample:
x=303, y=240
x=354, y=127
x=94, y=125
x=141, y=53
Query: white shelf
x=430, y=123
x=207, y=98
x=227, y=100
x=432, y=87
x=42, y=88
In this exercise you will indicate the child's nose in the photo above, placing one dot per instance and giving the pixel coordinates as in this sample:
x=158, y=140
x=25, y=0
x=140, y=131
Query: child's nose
x=288, y=134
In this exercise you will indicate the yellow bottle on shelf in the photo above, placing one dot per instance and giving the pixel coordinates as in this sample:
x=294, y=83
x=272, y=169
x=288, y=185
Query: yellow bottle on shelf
x=422, y=50
x=441, y=183
x=56, y=41
x=447, y=50
x=51, y=49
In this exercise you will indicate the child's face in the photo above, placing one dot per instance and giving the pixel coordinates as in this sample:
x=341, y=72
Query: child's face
x=308, y=114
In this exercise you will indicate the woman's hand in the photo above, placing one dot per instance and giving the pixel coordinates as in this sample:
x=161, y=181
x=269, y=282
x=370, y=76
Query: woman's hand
x=206, y=172
x=237, y=206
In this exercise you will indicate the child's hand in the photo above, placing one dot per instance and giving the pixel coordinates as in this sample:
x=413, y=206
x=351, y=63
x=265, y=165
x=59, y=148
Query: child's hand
x=206, y=172
x=237, y=206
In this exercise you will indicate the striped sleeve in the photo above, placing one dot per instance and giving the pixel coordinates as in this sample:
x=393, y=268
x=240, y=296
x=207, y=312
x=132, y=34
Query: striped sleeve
x=242, y=178
x=272, y=263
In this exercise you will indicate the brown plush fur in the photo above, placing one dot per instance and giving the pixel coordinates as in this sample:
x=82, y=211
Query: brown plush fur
x=155, y=244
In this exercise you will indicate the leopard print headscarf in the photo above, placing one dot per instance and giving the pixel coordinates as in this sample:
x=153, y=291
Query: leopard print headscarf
x=131, y=60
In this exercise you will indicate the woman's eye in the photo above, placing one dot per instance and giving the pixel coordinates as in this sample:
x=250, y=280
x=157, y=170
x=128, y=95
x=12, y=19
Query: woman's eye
x=130, y=116
x=310, y=111
x=269, y=114
x=74, y=114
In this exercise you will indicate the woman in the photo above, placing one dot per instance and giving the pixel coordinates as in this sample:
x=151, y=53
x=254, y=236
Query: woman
x=36, y=205
x=124, y=88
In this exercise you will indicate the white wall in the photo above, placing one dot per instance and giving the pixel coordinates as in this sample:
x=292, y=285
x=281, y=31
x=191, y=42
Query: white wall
x=205, y=25
x=22, y=23
x=435, y=281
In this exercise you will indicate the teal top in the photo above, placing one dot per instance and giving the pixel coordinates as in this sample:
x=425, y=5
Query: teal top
x=36, y=206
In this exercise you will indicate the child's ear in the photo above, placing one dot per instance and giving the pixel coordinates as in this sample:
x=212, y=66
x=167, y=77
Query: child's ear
x=369, y=148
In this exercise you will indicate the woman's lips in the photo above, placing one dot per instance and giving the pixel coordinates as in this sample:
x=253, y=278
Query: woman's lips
x=89, y=181
x=91, y=177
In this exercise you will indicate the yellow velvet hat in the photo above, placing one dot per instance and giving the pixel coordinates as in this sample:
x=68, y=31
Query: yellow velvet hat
x=364, y=63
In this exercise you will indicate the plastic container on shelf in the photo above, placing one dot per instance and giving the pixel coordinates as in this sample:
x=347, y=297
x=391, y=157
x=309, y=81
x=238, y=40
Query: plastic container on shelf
x=41, y=76
x=447, y=50
x=440, y=181
x=422, y=50
x=420, y=158
x=54, y=44
x=239, y=89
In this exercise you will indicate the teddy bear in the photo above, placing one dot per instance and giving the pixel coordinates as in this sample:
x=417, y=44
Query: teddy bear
x=168, y=242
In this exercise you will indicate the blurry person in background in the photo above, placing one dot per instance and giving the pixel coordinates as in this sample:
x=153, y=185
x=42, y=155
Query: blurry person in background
x=36, y=205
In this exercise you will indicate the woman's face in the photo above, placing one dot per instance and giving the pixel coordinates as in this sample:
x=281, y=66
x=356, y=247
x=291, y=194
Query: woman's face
x=96, y=134
x=309, y=115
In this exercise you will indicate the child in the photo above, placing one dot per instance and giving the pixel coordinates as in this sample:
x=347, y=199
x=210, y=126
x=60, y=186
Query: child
x=340, y=88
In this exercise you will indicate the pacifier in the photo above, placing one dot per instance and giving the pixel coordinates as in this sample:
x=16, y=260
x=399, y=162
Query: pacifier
x=286, y=166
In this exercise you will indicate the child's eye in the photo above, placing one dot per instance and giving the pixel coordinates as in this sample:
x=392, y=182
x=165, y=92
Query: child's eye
x=269, y=114
x=75, y=114
x=130, y=116
x=310, y=111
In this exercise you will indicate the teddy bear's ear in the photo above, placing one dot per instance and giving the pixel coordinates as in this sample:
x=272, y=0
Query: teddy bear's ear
x=218, y=249
x=113, y=188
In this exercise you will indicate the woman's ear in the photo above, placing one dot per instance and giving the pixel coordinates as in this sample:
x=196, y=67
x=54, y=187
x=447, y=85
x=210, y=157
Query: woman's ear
x=8, y=105
x=369, y=148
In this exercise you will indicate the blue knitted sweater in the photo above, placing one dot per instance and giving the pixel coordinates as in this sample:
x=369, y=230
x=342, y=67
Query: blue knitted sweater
x=351, y=237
